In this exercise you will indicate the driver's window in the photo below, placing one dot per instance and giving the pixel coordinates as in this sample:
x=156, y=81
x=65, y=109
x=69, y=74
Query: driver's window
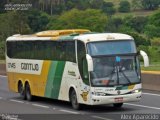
x=81, y=54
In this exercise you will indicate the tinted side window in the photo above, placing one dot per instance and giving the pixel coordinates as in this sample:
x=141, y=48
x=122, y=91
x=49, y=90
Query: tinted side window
x=70, y=51
x=42, y=50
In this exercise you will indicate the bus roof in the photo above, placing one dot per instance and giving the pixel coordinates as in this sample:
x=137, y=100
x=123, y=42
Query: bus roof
x=55, y=33
x=103, y=37
x=80, y=34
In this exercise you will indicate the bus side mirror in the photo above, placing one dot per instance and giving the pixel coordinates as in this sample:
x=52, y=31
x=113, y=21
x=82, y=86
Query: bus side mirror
x=145, y=58
x=89, y=62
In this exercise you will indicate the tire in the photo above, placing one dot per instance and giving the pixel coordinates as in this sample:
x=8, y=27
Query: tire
x=21, y=91
x=74, y=101
x=29, y=96
x=118, y=105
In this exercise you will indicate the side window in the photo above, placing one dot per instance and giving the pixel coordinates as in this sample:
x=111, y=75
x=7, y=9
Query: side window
x=82, y=63
x=40, y=50
x=70, y=51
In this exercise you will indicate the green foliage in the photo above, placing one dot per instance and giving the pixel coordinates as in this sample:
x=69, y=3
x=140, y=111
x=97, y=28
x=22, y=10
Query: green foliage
x=2, y=49
x=108, y=8
x=124, y=6
x=150, y=4
x=154, y=53
x=155, y=19
x=155, y=41
x=12, y=23
x=78, y=4
x=91, y=19
x=139, y=39
x=2, y=6
x=114, y=24
x=37, y=20
x=96, y=4
x=137, y=23
x=152, y=31
x=136, y=4
x=153, y=27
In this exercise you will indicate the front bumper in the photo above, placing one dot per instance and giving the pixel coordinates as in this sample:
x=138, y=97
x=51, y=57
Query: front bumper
x=100, y=100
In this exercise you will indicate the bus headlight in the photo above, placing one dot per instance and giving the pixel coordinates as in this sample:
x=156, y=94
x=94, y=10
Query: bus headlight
x=137, y=91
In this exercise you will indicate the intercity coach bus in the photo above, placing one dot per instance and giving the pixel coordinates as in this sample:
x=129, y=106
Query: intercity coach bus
x=75, y=65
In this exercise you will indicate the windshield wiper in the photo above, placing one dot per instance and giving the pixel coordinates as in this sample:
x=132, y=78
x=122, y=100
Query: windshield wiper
x=119, y=69
x=125, y=75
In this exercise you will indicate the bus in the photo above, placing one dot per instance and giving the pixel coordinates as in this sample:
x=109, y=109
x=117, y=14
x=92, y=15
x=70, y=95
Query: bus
x=75, y=65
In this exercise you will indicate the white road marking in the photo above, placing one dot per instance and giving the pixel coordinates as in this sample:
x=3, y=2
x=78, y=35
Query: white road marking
x=156, y=108
x=102, y=118
x=38, y=105
x=54, y=108
x=151, y=94
x=16, y=101
x=0, y=97
x=3, y=76
x=68, y=111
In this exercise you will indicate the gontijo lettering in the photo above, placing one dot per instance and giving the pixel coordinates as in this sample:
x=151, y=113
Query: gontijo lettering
x=29, y=66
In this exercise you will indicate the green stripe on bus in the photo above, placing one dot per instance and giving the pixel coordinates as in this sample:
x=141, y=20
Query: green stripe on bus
x=66, y=37
x=57, y=79
x=51, y=74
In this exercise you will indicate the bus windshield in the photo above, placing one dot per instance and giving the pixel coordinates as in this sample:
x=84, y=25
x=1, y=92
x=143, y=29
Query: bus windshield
x=115, y=70
x=114, y=63
x=111, y=47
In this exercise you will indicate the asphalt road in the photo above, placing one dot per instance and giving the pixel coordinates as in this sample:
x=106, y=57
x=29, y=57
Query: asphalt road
x=13, y=107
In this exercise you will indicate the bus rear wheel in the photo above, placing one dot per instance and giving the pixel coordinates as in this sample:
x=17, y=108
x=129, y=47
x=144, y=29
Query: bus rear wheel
x=29, y=96
x=74, y=101
x=21, y=91
x=118, y=105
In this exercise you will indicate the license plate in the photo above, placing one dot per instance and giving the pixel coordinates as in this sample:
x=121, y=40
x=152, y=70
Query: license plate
x=120, y=99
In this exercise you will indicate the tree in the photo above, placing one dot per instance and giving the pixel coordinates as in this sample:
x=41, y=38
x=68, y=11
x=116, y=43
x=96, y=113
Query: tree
x=155, y=19
x=78, y=4
x=2, y=6
x=137, y=23
x=155, y=41
x=152, y=28
x=96, y=4
x=139, y=39
x=91, y=19
x=124, y=6
x=152, y=31
x=113, y=24
x=14, y=22
x=150, y=4
x=37, y=20
x=108, y=8
x=136, y=4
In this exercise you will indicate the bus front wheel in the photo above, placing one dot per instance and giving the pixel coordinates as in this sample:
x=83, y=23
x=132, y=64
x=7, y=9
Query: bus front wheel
x=29, y=96
x=117, y=105
x=74, y=101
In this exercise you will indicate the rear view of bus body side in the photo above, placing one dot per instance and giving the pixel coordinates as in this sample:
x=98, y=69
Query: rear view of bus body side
x=54, y=64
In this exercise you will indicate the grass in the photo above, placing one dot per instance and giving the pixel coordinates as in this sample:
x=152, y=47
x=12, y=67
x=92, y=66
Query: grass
x=135, y=13
x=138, y=12
x=2, y=61
x=153, y=67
